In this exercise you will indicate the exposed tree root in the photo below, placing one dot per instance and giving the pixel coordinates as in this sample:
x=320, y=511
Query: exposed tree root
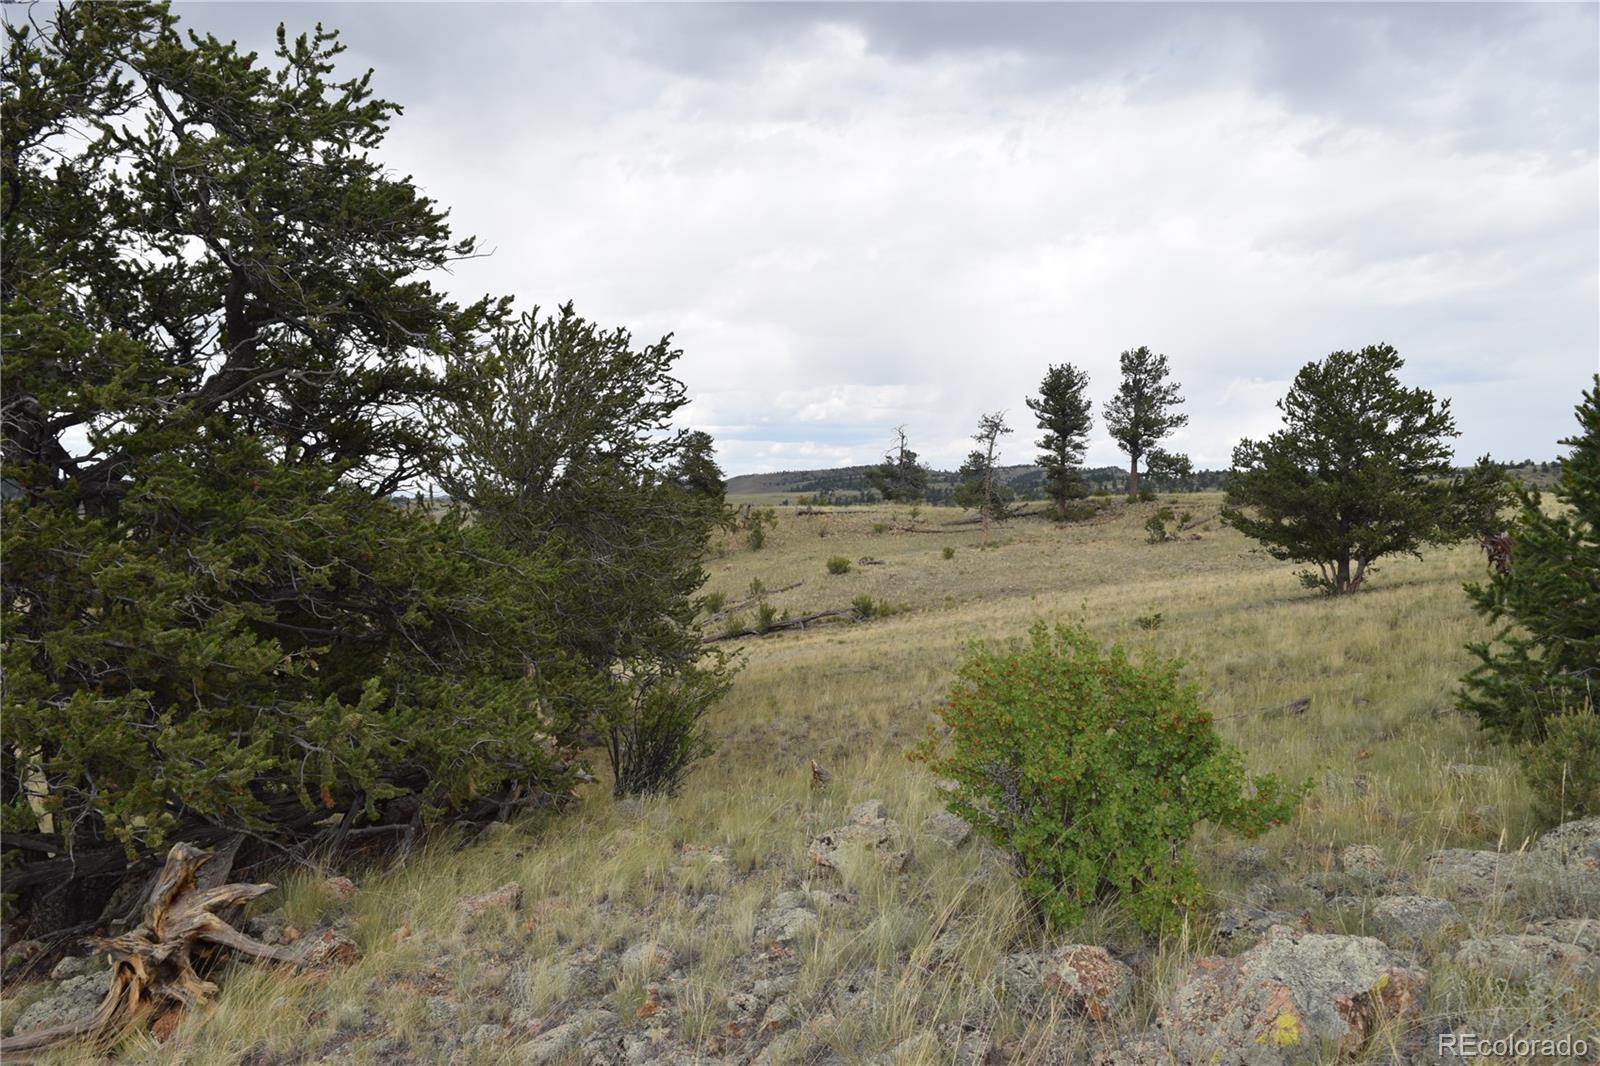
x=153, y=964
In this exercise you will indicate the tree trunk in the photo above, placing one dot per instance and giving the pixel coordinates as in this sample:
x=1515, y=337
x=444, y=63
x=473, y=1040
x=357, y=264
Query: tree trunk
x=1341, y=576
x=1133, y=477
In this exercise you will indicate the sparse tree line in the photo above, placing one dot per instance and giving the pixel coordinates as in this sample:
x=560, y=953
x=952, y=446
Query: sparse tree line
x=224, y=364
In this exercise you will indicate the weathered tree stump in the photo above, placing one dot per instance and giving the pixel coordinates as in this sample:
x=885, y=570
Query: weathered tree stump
x=153, y=964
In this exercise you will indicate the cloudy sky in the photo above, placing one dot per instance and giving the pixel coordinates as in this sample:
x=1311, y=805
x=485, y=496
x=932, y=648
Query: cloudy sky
x=860, y=216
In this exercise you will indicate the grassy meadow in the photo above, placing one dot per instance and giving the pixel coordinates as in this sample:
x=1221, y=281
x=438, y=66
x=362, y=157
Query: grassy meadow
x=892, y=958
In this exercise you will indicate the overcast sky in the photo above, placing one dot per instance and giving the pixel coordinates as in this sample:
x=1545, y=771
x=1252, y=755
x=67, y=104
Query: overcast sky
x=855, y=217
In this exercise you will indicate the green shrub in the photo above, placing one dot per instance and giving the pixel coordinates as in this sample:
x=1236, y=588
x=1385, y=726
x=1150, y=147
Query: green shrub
x=654, y=732
x=1092, y=771
x=948, y=552
x=1147, y=495
x=757, y=589
x=757, y=538
x=838, y=565
x=1150, y=622
x=1563, y=769
x=1155, y=527
x=713, y=602
x=766, y=614
x=880, y=527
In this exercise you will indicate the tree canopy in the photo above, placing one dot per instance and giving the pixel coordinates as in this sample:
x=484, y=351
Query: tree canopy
x=901, y=477
x=1066, y=415
x=1140, y=416
x=1361, y=469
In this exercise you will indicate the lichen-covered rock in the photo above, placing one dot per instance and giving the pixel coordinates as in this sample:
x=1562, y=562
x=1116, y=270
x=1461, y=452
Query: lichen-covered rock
x=1473, y=875
x=78, y=965
x=339, y=889
x=329, y=948
x=1087, y=980
x=648, y=959
x=74, y=998
x=789, y=917
x=1293, y=998
x=506, y=896
x=947, y=828
x=1408, y=920
x=1247, y=924
x=1521, y=957
x=552, y=1044
x=1584, y=932
x=1363, y=861
x=1573, y=843
x=869, y=831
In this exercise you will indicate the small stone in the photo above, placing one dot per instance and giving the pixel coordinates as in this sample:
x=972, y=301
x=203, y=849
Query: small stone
x=339, y=888
x=22, y=951
x=648, y=959
x=330, y=948
x=1408, y=920
x=494, y=831
x=506, y=896
x=1473, y=875
x=1584, y=932
x=1247, y=924
x=486, y=1033
x=1576, y=842
x=870, y=812
x=75, y=998
x=882, y=839
x=947, y=827
x=553, y=1044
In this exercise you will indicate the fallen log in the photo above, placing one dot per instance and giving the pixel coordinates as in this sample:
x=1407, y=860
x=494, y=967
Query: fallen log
x=153, y=965
x=777, y=624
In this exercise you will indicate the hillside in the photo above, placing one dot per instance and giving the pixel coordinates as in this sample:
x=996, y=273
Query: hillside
x=722, y=926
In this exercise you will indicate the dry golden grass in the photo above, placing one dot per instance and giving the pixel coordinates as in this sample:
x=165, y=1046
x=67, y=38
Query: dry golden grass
x=1378, y=737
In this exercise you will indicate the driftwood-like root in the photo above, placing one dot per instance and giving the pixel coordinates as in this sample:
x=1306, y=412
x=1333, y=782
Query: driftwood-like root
x=152, y=965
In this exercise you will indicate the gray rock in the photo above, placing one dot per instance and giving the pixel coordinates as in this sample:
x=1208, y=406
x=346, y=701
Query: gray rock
x=1474, y=875
x=486, y=1034
x=1408, y=920
x=648, y=959
x=1087, y=980
x=947, y=828
x=1584, y=932
x=506, y=896
x=1363, y=861
x=74, y=998
x=870, y=812
x=1528, y=956
x=882, y=839
x=551, y=1044
x=268, y=928
x=78, y=965
x=1248, y=924
x=788, y=918
x=1293, y=998
x=1573, y=843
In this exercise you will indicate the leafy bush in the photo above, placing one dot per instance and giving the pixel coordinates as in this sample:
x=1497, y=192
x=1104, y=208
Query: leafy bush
x=766, y=614
x=948, y=552
x=1147, y=495
x=1092, y=771
x=838, y=564
x=756, y=588
x=757, y=538
x=654, y=730
x=1150, y=622
x=1082, y=510
x=714, y=602
x=880, y=527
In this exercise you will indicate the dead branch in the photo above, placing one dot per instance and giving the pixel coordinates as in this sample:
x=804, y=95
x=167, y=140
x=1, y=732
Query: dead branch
x=776, y=625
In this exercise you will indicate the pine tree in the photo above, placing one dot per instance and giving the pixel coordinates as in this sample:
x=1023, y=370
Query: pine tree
x=977, y=485
x=900, y=478
x=1360, y=470
x=1065, y=415
x=1141, y=414
x=1543, y=666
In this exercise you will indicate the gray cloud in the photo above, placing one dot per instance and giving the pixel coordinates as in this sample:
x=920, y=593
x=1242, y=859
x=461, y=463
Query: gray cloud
x=856, y=216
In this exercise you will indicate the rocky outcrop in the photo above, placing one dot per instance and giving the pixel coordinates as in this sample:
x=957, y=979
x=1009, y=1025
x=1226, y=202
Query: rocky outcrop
x=1080, y=978
x=1529, y=956
x=870, y=830
x=1408, y=920
x=1294, y=998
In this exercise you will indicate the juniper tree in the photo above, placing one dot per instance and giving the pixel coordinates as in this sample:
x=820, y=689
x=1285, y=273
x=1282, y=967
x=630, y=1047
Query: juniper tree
x=1361, y=469
x=1065, y=415
x=1536, y=682
x=900, y=478
x=1141, y=414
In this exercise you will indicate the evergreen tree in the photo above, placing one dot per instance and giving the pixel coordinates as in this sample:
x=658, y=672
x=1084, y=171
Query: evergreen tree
x=1544, y=663
x=1360, y=470
x=1065, y=415
x=977, y=486
x=1170, y=470
x=1141, y=414
x=900, y=478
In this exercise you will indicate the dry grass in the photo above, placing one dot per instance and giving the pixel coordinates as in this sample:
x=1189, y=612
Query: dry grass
x=1378, y=737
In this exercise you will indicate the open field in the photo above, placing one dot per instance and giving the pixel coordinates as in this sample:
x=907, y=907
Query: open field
x=888, y=959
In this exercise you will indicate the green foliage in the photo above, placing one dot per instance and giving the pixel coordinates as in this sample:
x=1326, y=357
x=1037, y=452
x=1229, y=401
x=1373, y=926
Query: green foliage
x=1169, y=470
x=655, y=729
x=1092, y=771
x=756, y=538
x=948, y=552
x=1545, y=659
x=838, y=564
x=1155, y=527
x=900, y=478
x=880, y=528
x=757, y=521
x=1150, y=622
x=766, y=614
x=977, y=486
x=1562, y=769
x=1360, y=470
x=1141, y=414
x=1066, y=415
x=714, y=602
